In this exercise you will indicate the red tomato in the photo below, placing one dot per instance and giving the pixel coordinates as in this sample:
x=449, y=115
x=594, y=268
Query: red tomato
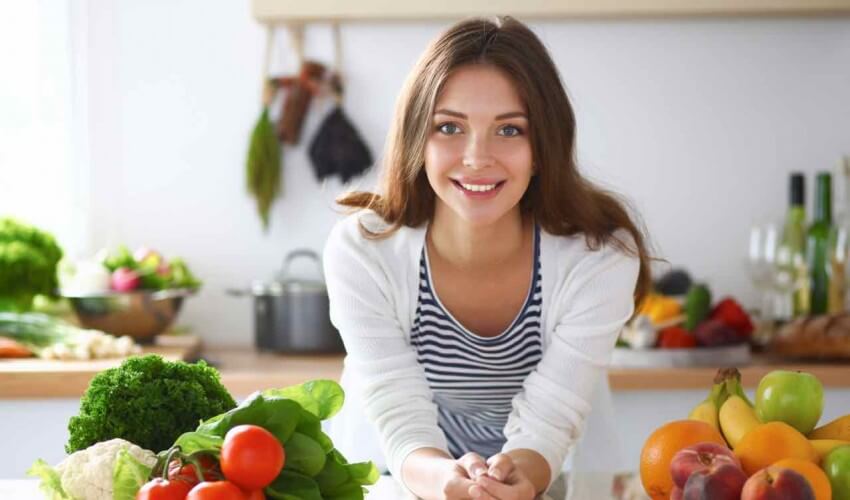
x=676, y=337
x=251, y=457
x=186, y=473
x=216, y=490
x=255, y=495
x=163, y=489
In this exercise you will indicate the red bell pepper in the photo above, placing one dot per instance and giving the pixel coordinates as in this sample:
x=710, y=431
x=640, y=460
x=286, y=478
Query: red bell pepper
x=733, y=315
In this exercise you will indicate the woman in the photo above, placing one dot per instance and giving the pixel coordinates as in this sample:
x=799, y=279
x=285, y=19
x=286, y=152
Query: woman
x=480, y=293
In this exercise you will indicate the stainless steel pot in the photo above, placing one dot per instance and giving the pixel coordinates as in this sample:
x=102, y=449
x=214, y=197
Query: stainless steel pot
x=292, y=315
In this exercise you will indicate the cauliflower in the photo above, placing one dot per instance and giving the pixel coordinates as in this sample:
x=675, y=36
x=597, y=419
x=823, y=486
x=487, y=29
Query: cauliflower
x=87, y=474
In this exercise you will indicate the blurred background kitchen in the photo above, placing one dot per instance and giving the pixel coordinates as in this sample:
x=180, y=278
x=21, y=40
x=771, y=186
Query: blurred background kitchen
x=129, y=123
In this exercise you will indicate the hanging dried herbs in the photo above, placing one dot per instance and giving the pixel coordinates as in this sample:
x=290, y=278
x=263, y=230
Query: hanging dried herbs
x=263, y=166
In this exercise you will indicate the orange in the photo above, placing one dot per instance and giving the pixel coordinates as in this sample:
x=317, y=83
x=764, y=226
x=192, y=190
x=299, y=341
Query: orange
x=662, y=444
x=814, y=475
x=771, y=442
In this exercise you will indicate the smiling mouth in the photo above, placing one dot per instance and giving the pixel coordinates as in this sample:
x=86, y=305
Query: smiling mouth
x=478, y=188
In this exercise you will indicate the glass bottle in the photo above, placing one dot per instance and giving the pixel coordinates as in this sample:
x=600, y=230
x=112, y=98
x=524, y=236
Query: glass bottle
x=820, y=245
x=793, y=272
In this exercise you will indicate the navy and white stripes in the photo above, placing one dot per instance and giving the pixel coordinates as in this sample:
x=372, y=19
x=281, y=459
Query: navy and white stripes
x=474, y=378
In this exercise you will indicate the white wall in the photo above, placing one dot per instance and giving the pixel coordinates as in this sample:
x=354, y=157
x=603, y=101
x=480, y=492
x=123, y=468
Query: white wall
x=697, y=121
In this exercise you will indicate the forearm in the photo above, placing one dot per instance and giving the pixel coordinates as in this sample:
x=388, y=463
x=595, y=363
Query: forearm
x=425, y=472
x=534, y=466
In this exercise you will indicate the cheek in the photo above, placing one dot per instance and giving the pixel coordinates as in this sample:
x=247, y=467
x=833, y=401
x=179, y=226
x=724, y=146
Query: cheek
x=442, y=155
x=516, y=157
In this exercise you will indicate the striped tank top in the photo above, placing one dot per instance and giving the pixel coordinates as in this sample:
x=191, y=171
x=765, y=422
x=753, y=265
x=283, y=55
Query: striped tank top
x=473, y=378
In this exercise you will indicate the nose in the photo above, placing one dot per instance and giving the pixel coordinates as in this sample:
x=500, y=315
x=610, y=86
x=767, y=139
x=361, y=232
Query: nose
x=477, y=154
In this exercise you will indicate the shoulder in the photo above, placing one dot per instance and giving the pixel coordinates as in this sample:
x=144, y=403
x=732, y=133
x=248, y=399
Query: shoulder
x=574, y=258
x=349, y=237
x=619, y=245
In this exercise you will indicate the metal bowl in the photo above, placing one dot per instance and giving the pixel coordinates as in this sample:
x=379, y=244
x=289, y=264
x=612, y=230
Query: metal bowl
x=141, y=314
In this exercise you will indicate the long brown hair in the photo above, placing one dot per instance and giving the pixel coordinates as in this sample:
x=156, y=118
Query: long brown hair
x=558, y=197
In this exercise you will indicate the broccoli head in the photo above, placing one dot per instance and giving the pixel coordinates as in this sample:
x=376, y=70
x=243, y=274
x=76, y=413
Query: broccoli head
x=148, y=401
x=28, y=258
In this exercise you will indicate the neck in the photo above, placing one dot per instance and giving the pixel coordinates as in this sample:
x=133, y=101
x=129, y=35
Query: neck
x=472, y=247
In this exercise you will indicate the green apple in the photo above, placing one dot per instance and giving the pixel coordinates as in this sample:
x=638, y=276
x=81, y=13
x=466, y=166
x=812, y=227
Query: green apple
x=837, y=467
x=793, y=397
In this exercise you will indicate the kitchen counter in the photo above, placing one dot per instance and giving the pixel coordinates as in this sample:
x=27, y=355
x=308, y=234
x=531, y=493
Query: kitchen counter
x=41, y=378
x=27, y=489
x=624, y=487
x=245, y=370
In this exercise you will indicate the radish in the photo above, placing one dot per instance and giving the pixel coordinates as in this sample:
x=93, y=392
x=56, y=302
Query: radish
x=125, y=280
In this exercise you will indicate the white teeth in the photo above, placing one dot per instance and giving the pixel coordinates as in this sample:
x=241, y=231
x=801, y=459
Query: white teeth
x=478, y=187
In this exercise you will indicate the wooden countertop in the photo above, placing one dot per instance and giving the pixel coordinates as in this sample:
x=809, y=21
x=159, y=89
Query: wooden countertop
x=244, y=371
x=41, y=378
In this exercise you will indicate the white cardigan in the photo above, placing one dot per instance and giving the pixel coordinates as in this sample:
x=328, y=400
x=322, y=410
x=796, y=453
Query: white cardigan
x=373, y=287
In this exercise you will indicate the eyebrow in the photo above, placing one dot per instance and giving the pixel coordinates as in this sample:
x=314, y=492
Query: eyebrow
x=503, y=116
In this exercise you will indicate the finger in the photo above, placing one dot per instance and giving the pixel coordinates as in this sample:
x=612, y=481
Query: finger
x=479, y=493
x=473, y=464
x=501, y=466
x=458, y=489
x=501, y=490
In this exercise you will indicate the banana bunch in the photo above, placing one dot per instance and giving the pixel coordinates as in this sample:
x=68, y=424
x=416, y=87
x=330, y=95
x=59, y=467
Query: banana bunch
x=727, y=407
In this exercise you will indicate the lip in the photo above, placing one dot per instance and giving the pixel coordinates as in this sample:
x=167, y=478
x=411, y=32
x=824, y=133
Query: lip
x=478, y=181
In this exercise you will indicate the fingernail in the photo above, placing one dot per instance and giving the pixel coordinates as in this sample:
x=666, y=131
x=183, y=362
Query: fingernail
x=494, y=473
x=475, y=492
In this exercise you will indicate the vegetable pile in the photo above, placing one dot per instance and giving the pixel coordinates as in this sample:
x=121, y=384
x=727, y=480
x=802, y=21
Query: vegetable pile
x=122, y=271
x=270, y=446
x=28, y=259
x=51, y=338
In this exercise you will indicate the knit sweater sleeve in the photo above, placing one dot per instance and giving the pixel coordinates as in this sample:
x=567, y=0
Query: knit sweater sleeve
x=394, y=391
x=594, y=302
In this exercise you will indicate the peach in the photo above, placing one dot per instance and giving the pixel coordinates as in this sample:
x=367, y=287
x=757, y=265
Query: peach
x=777, y=483
x=701, y=456
x=721, y=482
x=676, y=493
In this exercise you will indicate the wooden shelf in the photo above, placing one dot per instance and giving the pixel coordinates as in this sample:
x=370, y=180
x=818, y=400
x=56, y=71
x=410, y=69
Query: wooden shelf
x=286, y=11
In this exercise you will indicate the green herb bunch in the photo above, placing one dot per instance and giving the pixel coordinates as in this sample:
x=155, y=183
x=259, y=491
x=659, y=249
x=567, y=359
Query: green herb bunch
x=148, y=401
x=28, y=259
x=263, y=166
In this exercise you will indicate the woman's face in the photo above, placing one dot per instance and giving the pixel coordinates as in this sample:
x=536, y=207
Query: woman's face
x=478, y=153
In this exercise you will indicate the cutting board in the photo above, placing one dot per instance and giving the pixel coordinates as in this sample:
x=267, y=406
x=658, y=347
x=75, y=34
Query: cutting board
x=20, y=378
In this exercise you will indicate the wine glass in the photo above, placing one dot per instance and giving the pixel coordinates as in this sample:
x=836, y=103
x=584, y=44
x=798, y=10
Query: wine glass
x=761, y=257
x=771, y=268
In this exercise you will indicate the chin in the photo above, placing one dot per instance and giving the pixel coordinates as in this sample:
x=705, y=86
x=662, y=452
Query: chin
x=482, y=218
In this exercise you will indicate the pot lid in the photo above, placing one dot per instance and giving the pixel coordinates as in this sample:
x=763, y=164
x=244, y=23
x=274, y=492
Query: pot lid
x=286, y=283
x=291, y=286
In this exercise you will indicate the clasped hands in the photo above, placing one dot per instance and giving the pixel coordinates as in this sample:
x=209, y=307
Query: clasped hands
x=497, y=478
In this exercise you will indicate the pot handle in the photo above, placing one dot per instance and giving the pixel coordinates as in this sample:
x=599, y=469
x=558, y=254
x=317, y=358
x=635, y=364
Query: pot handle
x=300, y=252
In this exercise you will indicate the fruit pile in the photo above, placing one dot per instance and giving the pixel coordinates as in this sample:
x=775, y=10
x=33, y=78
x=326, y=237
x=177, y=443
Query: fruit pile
x=731, y=449
x=668, y=322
